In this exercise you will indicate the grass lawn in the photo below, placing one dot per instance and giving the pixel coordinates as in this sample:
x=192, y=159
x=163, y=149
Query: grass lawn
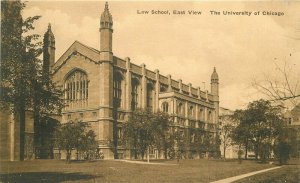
x=285, y=174
x=118, y=171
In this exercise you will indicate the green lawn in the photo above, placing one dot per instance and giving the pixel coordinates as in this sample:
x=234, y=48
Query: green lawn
x=117, y=171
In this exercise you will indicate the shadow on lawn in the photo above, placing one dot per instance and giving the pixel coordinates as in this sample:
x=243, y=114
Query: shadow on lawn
x=34, y=177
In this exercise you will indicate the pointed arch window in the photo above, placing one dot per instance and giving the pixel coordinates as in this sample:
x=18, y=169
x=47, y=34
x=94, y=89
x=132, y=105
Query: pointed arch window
x=76, y=86
x=117, y=90
x=134, y=94
x=149, y=96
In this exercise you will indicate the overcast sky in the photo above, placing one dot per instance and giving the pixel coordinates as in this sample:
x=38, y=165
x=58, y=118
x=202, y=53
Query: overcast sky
x=187, y=46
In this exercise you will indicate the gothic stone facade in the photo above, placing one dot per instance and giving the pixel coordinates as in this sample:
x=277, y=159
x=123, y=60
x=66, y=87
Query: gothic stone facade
x=101, y=88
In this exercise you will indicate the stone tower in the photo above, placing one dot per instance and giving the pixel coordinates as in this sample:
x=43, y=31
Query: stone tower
x=215, y=92
x=48, y=51
x=106, y=84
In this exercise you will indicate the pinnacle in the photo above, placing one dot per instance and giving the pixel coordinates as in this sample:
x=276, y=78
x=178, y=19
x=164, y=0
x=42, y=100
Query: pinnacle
x=106, y=5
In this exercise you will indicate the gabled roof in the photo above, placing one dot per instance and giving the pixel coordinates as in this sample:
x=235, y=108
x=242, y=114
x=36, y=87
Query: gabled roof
x=90, y=53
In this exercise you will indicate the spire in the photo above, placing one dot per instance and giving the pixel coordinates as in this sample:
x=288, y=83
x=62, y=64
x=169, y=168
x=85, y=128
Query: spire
x=49, y=38
x=214, y=76
x=214, y=83
x=106, y=18
x=106, y=5
x=49, y=31
x=48, y=51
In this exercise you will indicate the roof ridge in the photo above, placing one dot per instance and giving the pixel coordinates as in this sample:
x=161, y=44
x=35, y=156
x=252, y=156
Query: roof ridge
x=94, y=49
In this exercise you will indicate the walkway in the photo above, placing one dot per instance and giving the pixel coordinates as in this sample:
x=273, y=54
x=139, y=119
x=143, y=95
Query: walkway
x=145, y=162
x=231, y=179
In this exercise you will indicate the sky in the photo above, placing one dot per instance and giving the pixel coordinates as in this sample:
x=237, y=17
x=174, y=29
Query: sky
x=188, y=47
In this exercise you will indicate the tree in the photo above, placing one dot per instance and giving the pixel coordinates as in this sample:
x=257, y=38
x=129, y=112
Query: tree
x=145, y=129
x=241, y=133
x=138, y=132
x=74, y=135
x=259, y=125
x=88, y=144
x=162, y=137
x=22, y=86
x=283, y=150
x=226, y=128
x=226, y=131
x=286, y=145
x=45, y=139
x=13, y=98
x=282, y=87
x=179, y=145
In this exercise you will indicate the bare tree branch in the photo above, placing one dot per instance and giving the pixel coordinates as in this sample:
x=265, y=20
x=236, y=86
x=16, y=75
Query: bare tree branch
x=279, y=90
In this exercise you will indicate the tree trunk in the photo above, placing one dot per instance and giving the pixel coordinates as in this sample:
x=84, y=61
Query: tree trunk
x=166, y=152
x=21, y=114
x=143, y=154
x=246, y=149
x=148, y=155
x=36, y=142
x=68, y=156
x=224, y=150
x=77, y=154
x=256, y=150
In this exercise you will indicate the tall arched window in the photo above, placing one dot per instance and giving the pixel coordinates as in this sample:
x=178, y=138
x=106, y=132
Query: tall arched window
x=134, y=94
x=191, y=111
x=76, y=86
x=180, y=109
x=165, y=107
x=209, y=116
x=149, y=96
x=201, y=114
x=117, y=92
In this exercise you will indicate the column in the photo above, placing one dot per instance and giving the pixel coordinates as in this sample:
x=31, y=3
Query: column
x=175, y=111
x=128, y=85
x=157, y=89
x=186, y=115
x=144, y=87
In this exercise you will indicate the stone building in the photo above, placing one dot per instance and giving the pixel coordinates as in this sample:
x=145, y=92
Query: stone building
x=10, y=140
x=292, y=118
x=102, y=89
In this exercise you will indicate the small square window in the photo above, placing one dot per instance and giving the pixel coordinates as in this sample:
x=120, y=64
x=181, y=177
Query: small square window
x=69, y=116
x=94, y=114
x=81, y=115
